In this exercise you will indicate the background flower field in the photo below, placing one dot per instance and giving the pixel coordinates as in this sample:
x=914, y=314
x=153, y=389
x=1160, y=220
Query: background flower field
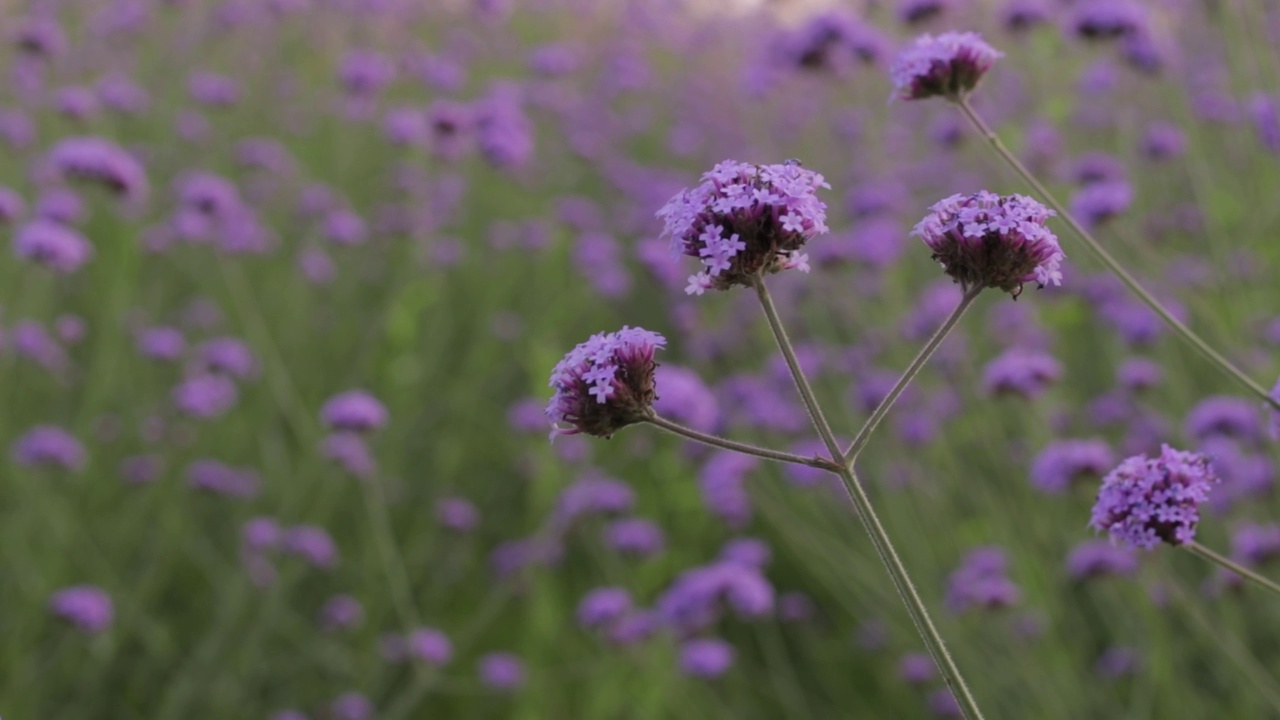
x=287, y=279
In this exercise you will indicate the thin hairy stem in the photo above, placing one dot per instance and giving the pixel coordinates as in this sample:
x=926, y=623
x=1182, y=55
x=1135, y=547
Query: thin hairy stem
x=1229, y=564
x=866, y=514
x=864, y=434
x=1112, y=264
x=744, y=448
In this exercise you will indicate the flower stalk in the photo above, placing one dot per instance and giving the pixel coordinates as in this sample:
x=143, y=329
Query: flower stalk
x=1187, y=334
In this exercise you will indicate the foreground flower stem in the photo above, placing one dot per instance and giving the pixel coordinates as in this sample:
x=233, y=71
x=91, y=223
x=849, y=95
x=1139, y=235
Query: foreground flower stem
x=864, y=435
x=1114, y=266
x=1221, y=560
x=862, y=505
x=744, y=448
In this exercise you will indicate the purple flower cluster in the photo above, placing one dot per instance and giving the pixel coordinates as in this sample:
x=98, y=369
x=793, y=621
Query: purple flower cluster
x=1066, y=462
x=982, y=582
x=744, y=220
x=947, y=65
x=997, y=241
x=605, y=383
x=1146, y=501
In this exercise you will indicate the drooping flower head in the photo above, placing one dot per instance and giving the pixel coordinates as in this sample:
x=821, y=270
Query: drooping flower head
x=1146, y=501
x=993, y=241
x=87, y=607
x=605, y=383
x=744, y=220
x=99, y=160
x=947, y=65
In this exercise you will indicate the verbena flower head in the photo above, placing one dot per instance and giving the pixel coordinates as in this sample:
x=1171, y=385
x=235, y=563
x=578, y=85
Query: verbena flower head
x=1066, y=462
x=87, y=607
x=1146, y=501
x=744, y=220
x=55, y=246
x=354, y=411
x=947, y=65
x=605, y=383
x=997, y=241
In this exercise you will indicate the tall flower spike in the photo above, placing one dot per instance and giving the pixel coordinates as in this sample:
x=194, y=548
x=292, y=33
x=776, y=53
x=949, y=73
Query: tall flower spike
x=947, y=65
x=996, y=241
x=745, y=219
x=605, y=383
x=1147, y=501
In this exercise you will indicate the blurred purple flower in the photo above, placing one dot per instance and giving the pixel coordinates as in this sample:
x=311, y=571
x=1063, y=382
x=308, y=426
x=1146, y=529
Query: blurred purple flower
x=49, y=446
x=87, y=607
x=706, y=657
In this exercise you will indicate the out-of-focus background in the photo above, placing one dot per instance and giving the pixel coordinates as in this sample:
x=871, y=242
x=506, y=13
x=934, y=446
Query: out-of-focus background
x=226, y=217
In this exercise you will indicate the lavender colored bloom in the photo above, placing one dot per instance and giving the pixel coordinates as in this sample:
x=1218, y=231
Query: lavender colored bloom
x=76, y=103
x=916, y=669
x=698, y=596
x=11, y=205
x=722, y=483
x=364, y=73
x=948, y=65
x=457, y=514
x=1223, y=415
x=603, y=606
x=1021, y=372
x=87, y=607
x=311, y=543
x=60, y=205
x=706, y=657
x=212, y=89
x=1098, y=558
x=344, y=227
x=351, y=706
x=162, y=343
x=593, y=494
x=351, y=452
x=121, y=94
x=833, y=41
x=353, y=411
x=99, y=160
x=686, y=398
x=980, y=582
x=316, y=266
x=943, y=704
x=1265, y=115
x=430, y=646
x=39, y=36
x=1022, y=15
x=1108, y=19
x=501, y=670
x=406, y=126
x=1098, y=202
x=605, y=383
x=451, y=125
x=1163, y=141
x=52, y=245
x=988, y=240
x=1136, y=375
x=635, y=536
x=261, y=533
x=222, y=479
x=744, y=220
x=341, y=612
x=1066, y=462
x=1146, y=501
x=31, y=340
x=633, y=628
x=205, y=396
x=1256, y=544
x=229, y=356
x=749, y=551
x=504, y=133
x=49, y=446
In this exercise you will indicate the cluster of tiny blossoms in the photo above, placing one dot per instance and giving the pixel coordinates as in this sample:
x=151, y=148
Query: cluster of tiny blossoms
x=746, y=219
x=1147, y=501
x=988, y=240
x=605, y=383
x=947, y=65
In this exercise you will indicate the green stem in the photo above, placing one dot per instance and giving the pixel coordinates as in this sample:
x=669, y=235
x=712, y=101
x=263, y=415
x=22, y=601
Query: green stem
x=744, y=448
x=864, y=434
x=1229, y=564
x=867, y=515
x=1112, y=264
